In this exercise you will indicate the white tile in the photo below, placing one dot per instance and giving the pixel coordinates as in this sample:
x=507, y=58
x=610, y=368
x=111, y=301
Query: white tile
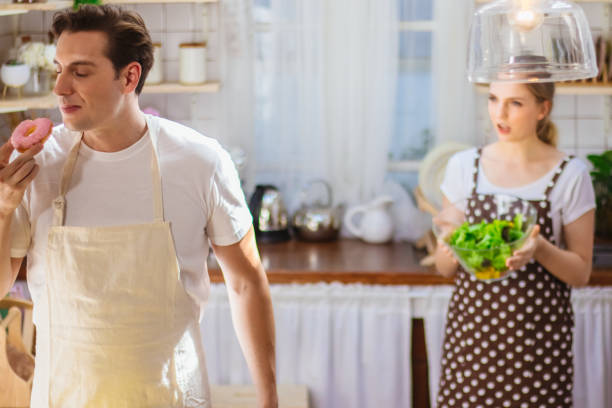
x=6, y=42
x=171, y=70
x=582, y=153
x=567, y=150
x=212, y=47
x=208, y=18
x=179, y=17
x=158, y=37
x=566, y=129
x=209, y=128
x=207, y=106
x=179, y=107
x=47, y=20
x=31, y=22
x=213, y=71
x=595, y=14
x=564, y=106
x=155, y=101
x=590, y=133
x=152, y=15
x=590, y=106
x=173, y=40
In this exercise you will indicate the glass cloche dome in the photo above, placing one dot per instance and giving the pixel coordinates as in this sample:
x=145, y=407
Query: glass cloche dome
x=530, y=41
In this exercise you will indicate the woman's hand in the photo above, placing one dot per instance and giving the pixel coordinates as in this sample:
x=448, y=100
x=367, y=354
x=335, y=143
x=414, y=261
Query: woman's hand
x=522, y=256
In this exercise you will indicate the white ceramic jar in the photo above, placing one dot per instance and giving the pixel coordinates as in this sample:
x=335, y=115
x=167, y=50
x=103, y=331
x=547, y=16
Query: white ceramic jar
x=156, y=73
x=192, y=63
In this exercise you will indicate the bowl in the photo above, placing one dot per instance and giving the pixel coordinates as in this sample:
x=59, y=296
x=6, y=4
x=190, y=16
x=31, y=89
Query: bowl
x=15, y=75
x=483, y=247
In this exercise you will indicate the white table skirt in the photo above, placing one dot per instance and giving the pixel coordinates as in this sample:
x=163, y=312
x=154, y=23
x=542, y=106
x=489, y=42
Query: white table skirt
x=351, y=344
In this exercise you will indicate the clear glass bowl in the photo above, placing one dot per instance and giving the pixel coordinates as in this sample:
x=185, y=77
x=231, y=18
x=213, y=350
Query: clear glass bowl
x=530, y=41
x=488, y=263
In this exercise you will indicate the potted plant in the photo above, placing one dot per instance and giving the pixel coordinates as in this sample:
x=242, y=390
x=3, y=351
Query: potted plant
x=602, y=183
x=14, y=74
x=39, y=57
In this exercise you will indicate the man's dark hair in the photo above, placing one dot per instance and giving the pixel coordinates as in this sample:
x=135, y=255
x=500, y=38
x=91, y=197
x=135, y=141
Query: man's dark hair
x=128, y=37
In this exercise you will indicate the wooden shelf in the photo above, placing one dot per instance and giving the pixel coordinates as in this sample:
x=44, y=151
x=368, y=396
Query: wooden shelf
x=575, y=1
x=49, y=101
x=171, y=87
x=571, y=88
x=20, y=8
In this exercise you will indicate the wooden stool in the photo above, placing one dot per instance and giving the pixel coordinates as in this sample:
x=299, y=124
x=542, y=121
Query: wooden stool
x=243, y=396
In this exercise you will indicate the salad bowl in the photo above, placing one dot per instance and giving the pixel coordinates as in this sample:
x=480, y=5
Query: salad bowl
x=483, y=246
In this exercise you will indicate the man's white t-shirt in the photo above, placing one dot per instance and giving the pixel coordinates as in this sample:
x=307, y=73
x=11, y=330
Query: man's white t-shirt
x=571, y=197
x=202, y=198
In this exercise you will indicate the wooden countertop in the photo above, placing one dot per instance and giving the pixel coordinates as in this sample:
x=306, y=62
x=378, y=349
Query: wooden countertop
x=353, y=261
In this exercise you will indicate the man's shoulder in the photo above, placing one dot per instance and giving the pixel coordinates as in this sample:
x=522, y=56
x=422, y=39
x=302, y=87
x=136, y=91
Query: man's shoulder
x=175, y=137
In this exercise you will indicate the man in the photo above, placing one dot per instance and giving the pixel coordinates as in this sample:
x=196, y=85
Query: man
x=115, y=215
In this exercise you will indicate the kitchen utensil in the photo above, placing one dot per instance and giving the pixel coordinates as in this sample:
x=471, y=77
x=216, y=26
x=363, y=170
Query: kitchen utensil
x=486, y=260
x=376, y=225
x=270, y=217
x=16, y=364
x=318, y=221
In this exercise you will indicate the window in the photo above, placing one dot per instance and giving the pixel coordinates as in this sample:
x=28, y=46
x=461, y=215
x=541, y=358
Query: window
x=412, y=136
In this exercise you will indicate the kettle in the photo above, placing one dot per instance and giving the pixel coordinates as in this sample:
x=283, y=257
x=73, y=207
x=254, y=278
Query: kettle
x=318, y=221
x=270, y=217
x=376, y=225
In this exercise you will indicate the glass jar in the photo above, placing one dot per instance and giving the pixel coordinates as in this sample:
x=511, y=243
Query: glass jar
x=192, y=63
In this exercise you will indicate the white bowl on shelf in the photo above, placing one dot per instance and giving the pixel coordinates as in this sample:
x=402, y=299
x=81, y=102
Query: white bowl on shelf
x=15, y=75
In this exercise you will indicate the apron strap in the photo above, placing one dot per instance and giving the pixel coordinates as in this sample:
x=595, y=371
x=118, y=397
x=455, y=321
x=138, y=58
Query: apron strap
x=59, y=204
x=475, y=170
x=555, y=178
x=158, y=201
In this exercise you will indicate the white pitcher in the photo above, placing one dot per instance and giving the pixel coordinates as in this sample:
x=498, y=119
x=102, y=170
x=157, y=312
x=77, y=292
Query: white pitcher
x=376, y=225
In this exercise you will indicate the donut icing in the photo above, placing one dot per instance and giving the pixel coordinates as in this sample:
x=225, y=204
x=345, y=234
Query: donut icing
x=30, y=132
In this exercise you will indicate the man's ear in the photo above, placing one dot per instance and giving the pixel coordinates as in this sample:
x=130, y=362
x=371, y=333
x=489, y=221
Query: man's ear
x=130, y=75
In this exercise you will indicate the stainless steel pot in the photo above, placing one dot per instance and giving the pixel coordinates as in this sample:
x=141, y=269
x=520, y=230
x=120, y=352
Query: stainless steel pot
x=318, y=221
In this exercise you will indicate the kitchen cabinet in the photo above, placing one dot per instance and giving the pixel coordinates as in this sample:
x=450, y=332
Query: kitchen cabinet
x=13, y=104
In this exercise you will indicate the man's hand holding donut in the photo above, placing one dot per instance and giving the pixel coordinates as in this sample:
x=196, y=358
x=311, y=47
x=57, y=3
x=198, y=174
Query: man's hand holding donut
x=15, y=176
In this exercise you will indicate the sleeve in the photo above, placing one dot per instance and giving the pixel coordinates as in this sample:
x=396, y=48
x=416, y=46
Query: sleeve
x=454, y=185
x=20, y=233
x=579, y=196
x=229, y=216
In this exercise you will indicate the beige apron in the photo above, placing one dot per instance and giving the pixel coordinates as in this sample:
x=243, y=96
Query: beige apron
x=122, y=331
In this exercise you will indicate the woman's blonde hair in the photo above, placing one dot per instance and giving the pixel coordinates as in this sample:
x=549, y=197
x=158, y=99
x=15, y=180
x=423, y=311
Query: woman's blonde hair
x=546, y=129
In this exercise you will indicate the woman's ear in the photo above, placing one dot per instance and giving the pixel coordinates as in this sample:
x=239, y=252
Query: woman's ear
x=545, y=108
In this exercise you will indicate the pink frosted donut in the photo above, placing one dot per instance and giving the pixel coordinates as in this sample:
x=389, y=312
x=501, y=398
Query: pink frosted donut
x=30, y=132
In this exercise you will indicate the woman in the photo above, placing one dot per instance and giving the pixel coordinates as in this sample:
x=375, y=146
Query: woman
x=508, y=343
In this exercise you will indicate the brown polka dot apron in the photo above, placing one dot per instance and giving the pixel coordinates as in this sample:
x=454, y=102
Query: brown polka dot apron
x=508, y=343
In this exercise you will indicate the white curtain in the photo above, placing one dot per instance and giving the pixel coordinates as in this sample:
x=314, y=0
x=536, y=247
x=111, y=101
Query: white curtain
x=351, y=344
x=454, y=97
x=326, y=74
x=593, y=347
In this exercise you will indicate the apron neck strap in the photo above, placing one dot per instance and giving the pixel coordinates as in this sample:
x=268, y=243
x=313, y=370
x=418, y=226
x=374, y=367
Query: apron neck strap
x=59, y=204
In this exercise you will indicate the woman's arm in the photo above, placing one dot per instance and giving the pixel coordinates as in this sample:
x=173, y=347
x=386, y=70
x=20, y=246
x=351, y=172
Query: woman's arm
x=446, y=263
x=571, y=265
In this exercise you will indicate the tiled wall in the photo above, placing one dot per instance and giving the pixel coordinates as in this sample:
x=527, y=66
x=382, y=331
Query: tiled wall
x=584, y=122
x=169, y=24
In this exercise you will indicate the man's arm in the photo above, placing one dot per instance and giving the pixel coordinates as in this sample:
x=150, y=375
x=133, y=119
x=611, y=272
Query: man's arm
x=14, y=178
x=252, y=313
